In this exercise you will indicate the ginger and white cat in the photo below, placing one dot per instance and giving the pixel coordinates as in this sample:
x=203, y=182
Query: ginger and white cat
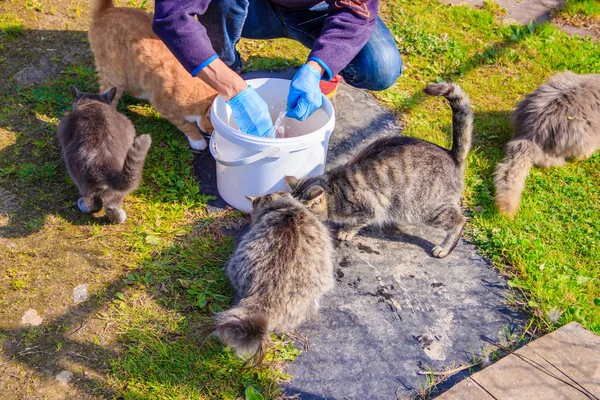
x=130, y=57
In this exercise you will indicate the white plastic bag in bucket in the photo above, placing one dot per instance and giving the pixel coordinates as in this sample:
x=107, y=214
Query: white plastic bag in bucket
x=252, y=166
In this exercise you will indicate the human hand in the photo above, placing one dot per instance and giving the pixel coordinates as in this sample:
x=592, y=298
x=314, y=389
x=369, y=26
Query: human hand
x=305, y=96
x=251, y=113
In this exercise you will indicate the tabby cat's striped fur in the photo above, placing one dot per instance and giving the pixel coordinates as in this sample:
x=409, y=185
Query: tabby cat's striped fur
x=398, y=179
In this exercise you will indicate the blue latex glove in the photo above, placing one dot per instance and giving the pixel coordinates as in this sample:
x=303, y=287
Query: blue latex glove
x=251, y=113
x=305, y=96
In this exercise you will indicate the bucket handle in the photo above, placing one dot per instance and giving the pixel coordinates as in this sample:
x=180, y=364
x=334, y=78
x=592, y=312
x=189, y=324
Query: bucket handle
x=243, y=161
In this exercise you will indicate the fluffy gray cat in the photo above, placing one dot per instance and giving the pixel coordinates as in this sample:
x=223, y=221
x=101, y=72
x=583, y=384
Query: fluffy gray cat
x=102, y=154
x=280, y=268
x=398, y=180
x=560, y=120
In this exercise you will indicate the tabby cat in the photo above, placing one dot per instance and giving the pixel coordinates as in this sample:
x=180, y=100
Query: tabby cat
x=398, y=180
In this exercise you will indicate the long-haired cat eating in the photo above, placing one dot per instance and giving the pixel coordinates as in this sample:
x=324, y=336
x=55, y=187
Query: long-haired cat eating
x=398, y=180
x=279, y=270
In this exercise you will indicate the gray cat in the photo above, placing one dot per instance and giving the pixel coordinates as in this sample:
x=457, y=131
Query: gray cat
x=560, y=120
x=279, y=270
x=398, y=179
x=103, y=156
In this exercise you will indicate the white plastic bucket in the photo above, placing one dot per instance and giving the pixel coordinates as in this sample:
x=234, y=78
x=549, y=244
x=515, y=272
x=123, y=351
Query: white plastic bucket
x=252, y=166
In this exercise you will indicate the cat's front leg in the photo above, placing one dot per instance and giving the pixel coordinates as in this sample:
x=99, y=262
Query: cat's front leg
x=191, y=130
x=452, y=220
x=347, y=232
x=89, y=204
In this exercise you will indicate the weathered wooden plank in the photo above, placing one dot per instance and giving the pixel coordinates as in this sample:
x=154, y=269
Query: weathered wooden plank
x=564, y=364
x=572, y=354
x=466, y=389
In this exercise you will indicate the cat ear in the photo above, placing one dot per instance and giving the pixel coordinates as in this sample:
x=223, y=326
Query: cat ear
x=110, y=95
x=291, y=181
x=75, y=92
x=315, y=194
x=251, y=198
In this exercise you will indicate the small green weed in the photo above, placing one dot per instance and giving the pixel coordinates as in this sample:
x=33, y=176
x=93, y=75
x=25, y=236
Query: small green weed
x=18, y=284
x=142, y=4
x=588, y=8
x=34, y=5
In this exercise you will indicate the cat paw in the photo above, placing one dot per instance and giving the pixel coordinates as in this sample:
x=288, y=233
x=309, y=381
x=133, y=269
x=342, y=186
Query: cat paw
x=345, y=235
x=439, y=252
x=198, y=144
x=116, y=215
x=83, y=208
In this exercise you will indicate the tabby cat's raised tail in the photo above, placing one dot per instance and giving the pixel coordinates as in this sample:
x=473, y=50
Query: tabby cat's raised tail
x=243, y=330
x=462, y=118
x=99, y=6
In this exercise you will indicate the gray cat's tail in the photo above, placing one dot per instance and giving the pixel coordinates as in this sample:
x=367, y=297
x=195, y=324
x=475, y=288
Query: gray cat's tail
x=131, y=174
x=99, y=6
x=511, y=174
x=462, y=118
x=245, y=331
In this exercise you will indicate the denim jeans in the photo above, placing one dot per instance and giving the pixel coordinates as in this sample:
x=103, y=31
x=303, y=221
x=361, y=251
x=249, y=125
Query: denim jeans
x=376, y=67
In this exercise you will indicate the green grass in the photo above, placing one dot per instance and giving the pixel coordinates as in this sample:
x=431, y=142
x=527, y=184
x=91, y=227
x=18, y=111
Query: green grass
x=588, y=8
x=158, y=278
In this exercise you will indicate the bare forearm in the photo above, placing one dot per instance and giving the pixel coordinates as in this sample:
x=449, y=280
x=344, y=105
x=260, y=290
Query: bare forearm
x=221, y=78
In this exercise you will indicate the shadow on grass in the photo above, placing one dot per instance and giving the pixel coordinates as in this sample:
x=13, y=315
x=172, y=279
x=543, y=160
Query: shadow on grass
x=156, y=310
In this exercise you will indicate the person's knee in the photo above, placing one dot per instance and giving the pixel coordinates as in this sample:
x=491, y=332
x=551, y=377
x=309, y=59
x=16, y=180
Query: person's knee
x=385, y=70
x=377, y=67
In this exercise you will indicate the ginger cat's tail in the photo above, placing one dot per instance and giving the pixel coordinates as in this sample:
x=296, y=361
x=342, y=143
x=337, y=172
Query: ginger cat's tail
x=462, y=118
x=99, y=6
x=511, y=174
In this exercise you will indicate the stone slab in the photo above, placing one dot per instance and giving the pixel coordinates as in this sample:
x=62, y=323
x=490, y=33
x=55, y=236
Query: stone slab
x=520, y=11
x=525, y=11
x=395, y=310
x=467, y=389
